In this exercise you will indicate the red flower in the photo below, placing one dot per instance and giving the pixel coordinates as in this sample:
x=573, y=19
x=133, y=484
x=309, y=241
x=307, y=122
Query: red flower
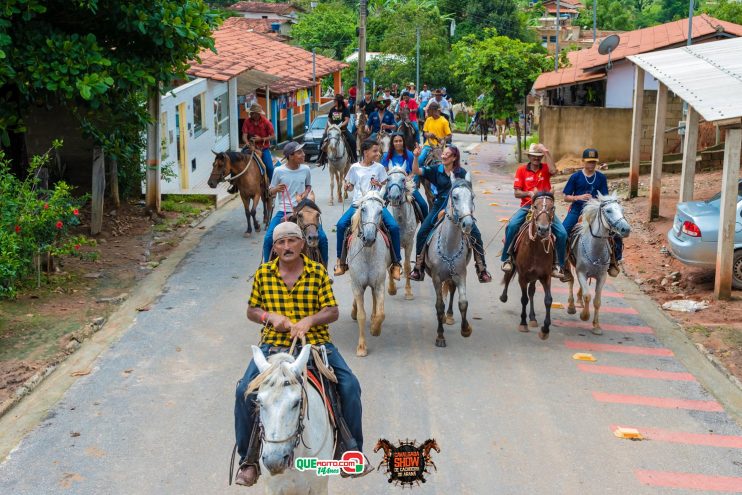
x=59, y=224
x=17, y=229
x=76, y=212
x=46, y=206
x=77, y=247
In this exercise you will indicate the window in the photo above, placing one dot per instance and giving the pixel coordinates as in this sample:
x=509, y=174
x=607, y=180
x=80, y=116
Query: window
x=544, y=38
x=198, y=114
x=163, y=136
x=552, y=39
x=221, y=115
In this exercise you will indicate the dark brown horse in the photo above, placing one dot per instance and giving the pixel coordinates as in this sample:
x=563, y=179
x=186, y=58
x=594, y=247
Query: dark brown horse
x=534, y=261
x=406, y=129
x=307, y=216
x=427, y=446
x=242, y=170
x=387, y=446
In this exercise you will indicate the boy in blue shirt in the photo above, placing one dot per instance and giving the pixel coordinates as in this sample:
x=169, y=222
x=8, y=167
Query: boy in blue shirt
x=583, y=186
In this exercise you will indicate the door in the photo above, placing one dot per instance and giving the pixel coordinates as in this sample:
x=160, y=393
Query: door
x=181, y=131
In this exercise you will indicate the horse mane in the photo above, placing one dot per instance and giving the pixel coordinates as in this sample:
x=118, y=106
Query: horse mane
x=591, y=209
x=307, y=203
x=355, y=220
x=409, y=183
x=276, y=372
x=461, y=183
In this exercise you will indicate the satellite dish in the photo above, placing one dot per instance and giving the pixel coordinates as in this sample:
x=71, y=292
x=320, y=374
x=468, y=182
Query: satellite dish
x=607, y=46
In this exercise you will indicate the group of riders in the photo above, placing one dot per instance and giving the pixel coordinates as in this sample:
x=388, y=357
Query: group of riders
x=292, y=296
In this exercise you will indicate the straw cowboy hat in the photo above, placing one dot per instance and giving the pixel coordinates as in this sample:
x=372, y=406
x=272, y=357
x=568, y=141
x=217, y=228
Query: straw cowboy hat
x=533, y=150
x=255, y=108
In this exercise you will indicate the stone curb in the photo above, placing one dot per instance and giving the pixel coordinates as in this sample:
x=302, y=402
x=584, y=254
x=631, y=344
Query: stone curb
x=718, y=365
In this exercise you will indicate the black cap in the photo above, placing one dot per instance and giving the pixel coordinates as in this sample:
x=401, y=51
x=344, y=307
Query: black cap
x=590, y=155
x=291, y=148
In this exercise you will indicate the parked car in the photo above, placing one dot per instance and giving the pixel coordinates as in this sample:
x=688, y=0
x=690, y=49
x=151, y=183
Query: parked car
x=694, y=234
x=313, y=135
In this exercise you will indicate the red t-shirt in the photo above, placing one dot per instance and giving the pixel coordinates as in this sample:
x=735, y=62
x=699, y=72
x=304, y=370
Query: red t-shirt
x=527, y=180
x=412, y=106
x=352, y=92
x=263, y=128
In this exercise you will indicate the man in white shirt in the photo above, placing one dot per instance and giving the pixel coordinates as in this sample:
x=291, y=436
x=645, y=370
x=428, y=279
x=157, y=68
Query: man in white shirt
x=443, y=104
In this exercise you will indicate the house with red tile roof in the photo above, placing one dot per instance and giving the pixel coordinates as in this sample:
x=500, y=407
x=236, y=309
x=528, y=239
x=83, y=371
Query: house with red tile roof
x=278, y=16
x=594, y=92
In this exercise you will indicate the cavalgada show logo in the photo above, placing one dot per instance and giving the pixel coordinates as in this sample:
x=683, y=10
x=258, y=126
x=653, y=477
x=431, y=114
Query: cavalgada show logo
x=407, y=463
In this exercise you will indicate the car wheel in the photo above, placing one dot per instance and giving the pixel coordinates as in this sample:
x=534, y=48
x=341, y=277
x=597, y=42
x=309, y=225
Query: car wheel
x=737, y=270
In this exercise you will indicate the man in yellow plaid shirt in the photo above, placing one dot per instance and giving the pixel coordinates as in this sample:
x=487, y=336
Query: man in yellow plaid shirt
x=292, y=297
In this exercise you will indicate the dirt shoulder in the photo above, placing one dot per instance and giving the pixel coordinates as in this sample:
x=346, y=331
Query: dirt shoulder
x=45, y=324
x=646, y=261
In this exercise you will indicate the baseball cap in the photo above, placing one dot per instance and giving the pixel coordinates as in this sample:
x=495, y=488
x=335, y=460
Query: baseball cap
x=291, y=148
x=590, y=155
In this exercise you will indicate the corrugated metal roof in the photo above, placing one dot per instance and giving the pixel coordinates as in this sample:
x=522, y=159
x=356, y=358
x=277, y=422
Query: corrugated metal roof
x=707, y=76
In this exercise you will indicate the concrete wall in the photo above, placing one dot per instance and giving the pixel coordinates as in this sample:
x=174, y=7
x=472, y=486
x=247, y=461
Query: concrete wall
x=620, y=85
x=569, y=130
x=673, y=141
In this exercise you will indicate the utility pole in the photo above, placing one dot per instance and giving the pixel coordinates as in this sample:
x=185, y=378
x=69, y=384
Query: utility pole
x=315, y=98
x=417, y=62
x=595, y=20
x=556, y=51
x=690, y=23
x=362, y=49
x=153, y=150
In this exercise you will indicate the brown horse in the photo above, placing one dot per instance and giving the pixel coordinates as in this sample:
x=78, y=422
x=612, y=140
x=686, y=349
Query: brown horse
x=361, y=134
x=534, y=260
x=427, y=446
x=242, y=170
x=406, y=129
x=500, y=127
x=387, y=446
x=307, y=216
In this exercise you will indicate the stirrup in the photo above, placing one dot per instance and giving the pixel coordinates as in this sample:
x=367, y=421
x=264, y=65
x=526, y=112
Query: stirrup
x=507, y=266
x=484, y=276
x=340, y=269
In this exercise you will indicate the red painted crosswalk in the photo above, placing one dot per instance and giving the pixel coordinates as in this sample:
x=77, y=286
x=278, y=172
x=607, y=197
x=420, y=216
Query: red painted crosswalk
x=624, y=349
x=689, y=481
x=661, y=402
x=636, y=372
x=605, y=326
x=705, y=439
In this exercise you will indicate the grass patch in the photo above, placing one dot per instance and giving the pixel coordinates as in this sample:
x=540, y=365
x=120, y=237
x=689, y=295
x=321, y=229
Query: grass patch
x=204, y=199
x=179, y=206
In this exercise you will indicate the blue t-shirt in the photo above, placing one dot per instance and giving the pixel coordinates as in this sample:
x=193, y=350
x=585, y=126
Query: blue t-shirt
x=374, y=121
x=399, y=161
x=578, y=184
x=436, y=175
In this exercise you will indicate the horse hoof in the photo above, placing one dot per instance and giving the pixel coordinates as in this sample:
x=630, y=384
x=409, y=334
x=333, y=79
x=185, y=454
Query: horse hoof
x=543, y=335
x=596, y=331
x=533, y=323
x=376, y=331
x=361, y=351
x=246, y=234
x=257, y=228
x=584, y=316
x=392, y=291
x=440, y=342
x=409, y=297
x=466, y=332
x=503, y=298
x=523, y=328
x=571, y=310
x=449, y=320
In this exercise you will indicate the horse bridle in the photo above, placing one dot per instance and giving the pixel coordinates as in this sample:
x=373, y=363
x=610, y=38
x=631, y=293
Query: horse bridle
x=400, y=187
x=297, y=436
x=363, y=224
x=453, y=216
x=231, y=178
x=611, y=226
x=549, y=212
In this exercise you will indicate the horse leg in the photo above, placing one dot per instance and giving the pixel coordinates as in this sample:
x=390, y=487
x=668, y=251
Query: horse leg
x=449, y=311
x=599, y=282
x=546, y=283
x=332, y=186
x=585, y=289
x=361, y=350
x=407, y=269
x=523, y=303
x=249, y=226
x=571, y=300
x=342, y=192
x=579, y=296
x=440, y=308
x=377, y=314
x=466, y=327
x=354, y=311
x=506, y=280
x=392, y=286
x=254, y=211
x=532, y=312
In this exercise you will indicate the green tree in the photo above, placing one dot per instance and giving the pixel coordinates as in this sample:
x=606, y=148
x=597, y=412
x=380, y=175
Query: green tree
x=474, y=16
x=726, y=10
x=330, y=26
x=96, y=57
x=613, y=15
x=672, y=10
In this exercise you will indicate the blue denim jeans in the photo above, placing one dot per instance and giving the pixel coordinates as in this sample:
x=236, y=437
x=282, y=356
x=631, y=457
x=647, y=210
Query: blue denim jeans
x=387, y=218
x=268, y=160
x=571, y=220
x=349, y=390
x=427, y=227
x=517, y=221
x=417, y=130
x=421, y=202
x=423, y=155
x=268, y=239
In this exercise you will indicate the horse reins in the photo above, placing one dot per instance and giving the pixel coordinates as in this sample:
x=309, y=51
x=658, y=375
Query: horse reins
x=548, y=242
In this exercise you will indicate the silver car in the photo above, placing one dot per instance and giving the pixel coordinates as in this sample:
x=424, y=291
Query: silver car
x=695, y=231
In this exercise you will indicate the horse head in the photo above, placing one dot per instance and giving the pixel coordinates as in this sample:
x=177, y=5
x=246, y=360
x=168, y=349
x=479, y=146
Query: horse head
x=369, y=217
x=396, y=186
x=334, y=142
x=430, y=444
x=611, y=213
x=307, y=217
x=461, y=205
x=281, y=404
x=219, y=169
x=383, y=444
x=404, y=115
x=542, y=212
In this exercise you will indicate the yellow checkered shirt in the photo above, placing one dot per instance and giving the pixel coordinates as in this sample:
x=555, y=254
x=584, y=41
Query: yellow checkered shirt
x=307, y=297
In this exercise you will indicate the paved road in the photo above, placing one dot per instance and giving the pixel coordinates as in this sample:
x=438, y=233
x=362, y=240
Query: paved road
x=512, y=414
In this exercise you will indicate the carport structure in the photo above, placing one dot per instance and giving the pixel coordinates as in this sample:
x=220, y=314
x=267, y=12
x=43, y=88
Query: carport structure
x=708, y=77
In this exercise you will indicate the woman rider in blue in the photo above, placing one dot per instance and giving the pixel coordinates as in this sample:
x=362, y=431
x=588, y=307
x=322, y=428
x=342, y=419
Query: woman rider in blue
x=440, y=176
x=399, y=156
x=364, y=176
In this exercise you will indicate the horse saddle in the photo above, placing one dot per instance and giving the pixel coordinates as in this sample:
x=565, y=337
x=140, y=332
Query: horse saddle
x=418, y=211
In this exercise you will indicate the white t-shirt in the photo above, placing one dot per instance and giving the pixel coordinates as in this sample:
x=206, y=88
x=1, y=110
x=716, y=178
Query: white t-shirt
x=296, y=180
x=360, y=176
x=425, y=95
x=443, y=104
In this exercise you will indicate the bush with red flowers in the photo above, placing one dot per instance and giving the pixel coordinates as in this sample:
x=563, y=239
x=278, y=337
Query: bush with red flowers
x=34, y=222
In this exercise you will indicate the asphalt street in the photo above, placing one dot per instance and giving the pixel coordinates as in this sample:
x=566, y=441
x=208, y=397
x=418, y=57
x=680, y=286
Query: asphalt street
x=512, y=414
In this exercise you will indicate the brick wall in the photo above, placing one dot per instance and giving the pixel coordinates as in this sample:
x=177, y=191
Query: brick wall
x=673, y=142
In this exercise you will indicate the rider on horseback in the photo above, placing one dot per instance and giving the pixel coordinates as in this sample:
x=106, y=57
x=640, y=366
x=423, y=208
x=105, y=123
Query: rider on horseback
x=338, y=115
x=399, y=156
x=292, y=183
x=441, y=175
x=381, y=120
x=292, y=297
x=259, y=130
x=583, y=186
x=436, y=130
x=530, y=179
x=364, y=176
x=410, y=104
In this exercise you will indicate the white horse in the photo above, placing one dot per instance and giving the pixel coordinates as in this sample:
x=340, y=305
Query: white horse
x=368, y=261
x=338, y=159
x=294, y=424
x=448, y=255
x=601, y=219
x=462, y=107
x=399, y=190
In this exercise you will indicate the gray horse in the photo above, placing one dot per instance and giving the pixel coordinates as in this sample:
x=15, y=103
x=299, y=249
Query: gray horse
x=601, y=219
x=448, y=255
x=368, y=261
x=399, y=190
x=338, y=157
